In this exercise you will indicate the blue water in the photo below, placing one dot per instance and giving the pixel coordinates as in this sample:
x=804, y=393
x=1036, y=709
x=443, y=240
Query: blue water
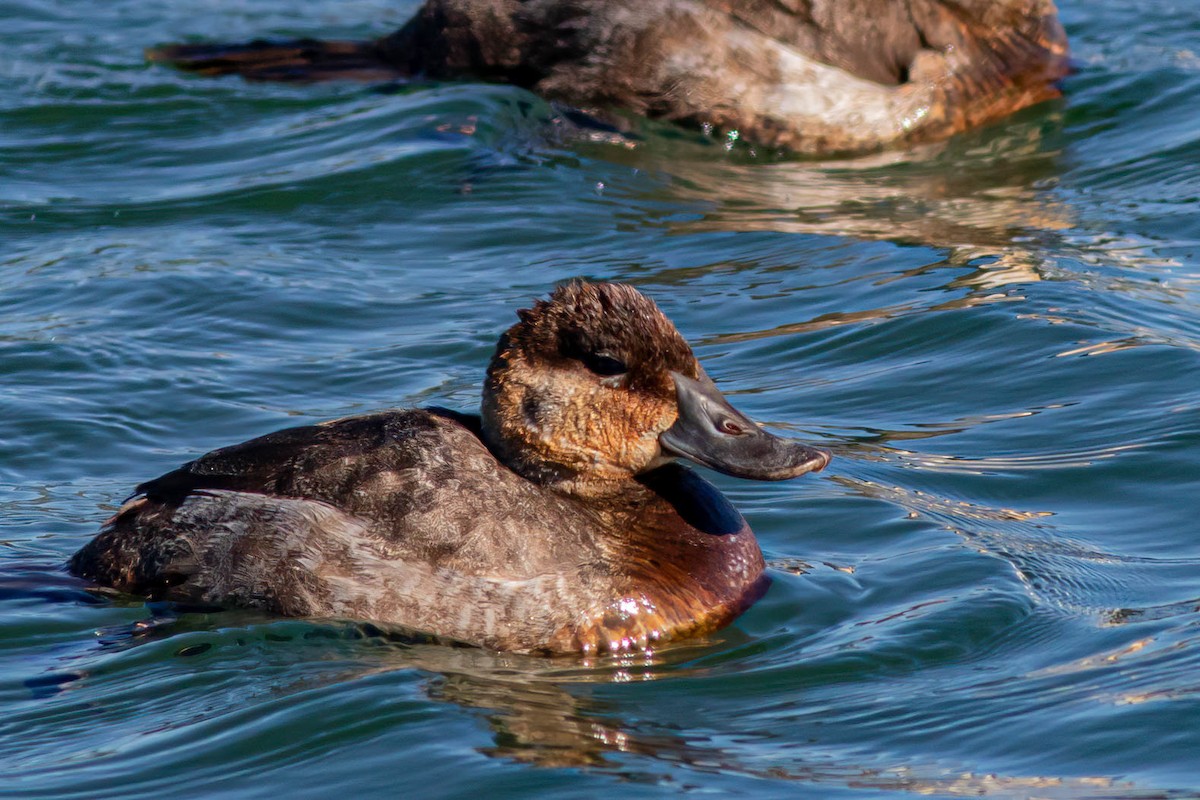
x=994, y=589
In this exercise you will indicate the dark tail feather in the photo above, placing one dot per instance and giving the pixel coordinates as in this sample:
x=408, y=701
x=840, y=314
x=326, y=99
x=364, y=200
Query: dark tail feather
x=300, y=60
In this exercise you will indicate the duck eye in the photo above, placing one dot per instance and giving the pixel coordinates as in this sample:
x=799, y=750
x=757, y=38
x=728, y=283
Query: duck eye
x=732, y=428
x=604, y=365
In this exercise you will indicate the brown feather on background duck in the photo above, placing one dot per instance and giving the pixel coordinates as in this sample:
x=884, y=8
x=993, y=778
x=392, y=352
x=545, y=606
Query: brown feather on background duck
x=810, y=76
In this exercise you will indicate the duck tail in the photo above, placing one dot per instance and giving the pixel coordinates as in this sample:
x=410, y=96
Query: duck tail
x=132, y=553
x=220, y=548
x=298, y=60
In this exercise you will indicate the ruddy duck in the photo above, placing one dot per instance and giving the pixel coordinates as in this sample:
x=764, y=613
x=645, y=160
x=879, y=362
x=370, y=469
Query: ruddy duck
x=556, y=521
x=810, y=76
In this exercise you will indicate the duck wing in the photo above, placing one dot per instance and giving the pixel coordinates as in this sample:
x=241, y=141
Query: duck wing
x=326, y=461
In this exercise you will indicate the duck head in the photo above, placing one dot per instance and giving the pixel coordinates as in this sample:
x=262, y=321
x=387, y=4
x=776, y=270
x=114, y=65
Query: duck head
x=595, y=386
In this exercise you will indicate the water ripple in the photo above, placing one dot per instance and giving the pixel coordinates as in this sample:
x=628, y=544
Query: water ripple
x=991, y=591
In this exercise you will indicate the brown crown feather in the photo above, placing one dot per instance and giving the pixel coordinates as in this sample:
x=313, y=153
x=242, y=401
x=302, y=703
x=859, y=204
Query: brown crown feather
x=609, y=318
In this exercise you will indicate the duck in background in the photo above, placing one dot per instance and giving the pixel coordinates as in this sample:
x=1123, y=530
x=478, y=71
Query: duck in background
x=806, y=76
x=557, y=521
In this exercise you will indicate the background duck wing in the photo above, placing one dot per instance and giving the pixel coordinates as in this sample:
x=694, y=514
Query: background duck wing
x=296, y=60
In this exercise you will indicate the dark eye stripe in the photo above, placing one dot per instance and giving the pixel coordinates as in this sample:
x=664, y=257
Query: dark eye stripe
x=603, y=364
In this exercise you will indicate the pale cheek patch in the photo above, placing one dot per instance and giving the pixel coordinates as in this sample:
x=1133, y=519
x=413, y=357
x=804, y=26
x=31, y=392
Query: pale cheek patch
x=622, y=435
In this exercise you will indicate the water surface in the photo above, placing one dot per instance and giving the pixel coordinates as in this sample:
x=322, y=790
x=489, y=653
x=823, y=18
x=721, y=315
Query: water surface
x=993, y=590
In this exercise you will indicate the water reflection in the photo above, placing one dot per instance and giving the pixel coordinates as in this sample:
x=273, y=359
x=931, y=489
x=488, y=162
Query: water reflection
x=545, y=724
x=544, y=713
x=994, y=201
x=970, y=196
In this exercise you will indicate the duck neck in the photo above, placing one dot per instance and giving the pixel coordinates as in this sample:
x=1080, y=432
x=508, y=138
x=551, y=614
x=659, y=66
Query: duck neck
x=518, y=446
x=558, y=478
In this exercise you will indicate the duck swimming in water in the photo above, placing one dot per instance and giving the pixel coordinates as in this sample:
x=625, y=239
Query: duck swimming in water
x=809, y=76
x=556, y=521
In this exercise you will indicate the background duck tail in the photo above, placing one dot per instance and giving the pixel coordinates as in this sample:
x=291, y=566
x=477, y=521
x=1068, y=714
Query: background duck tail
x=299, y=60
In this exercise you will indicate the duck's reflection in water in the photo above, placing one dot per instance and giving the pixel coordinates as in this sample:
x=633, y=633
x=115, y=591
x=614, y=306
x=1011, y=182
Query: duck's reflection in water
x=541, y=712
x=994, y=200
x=541, y=722
x=968, y=192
